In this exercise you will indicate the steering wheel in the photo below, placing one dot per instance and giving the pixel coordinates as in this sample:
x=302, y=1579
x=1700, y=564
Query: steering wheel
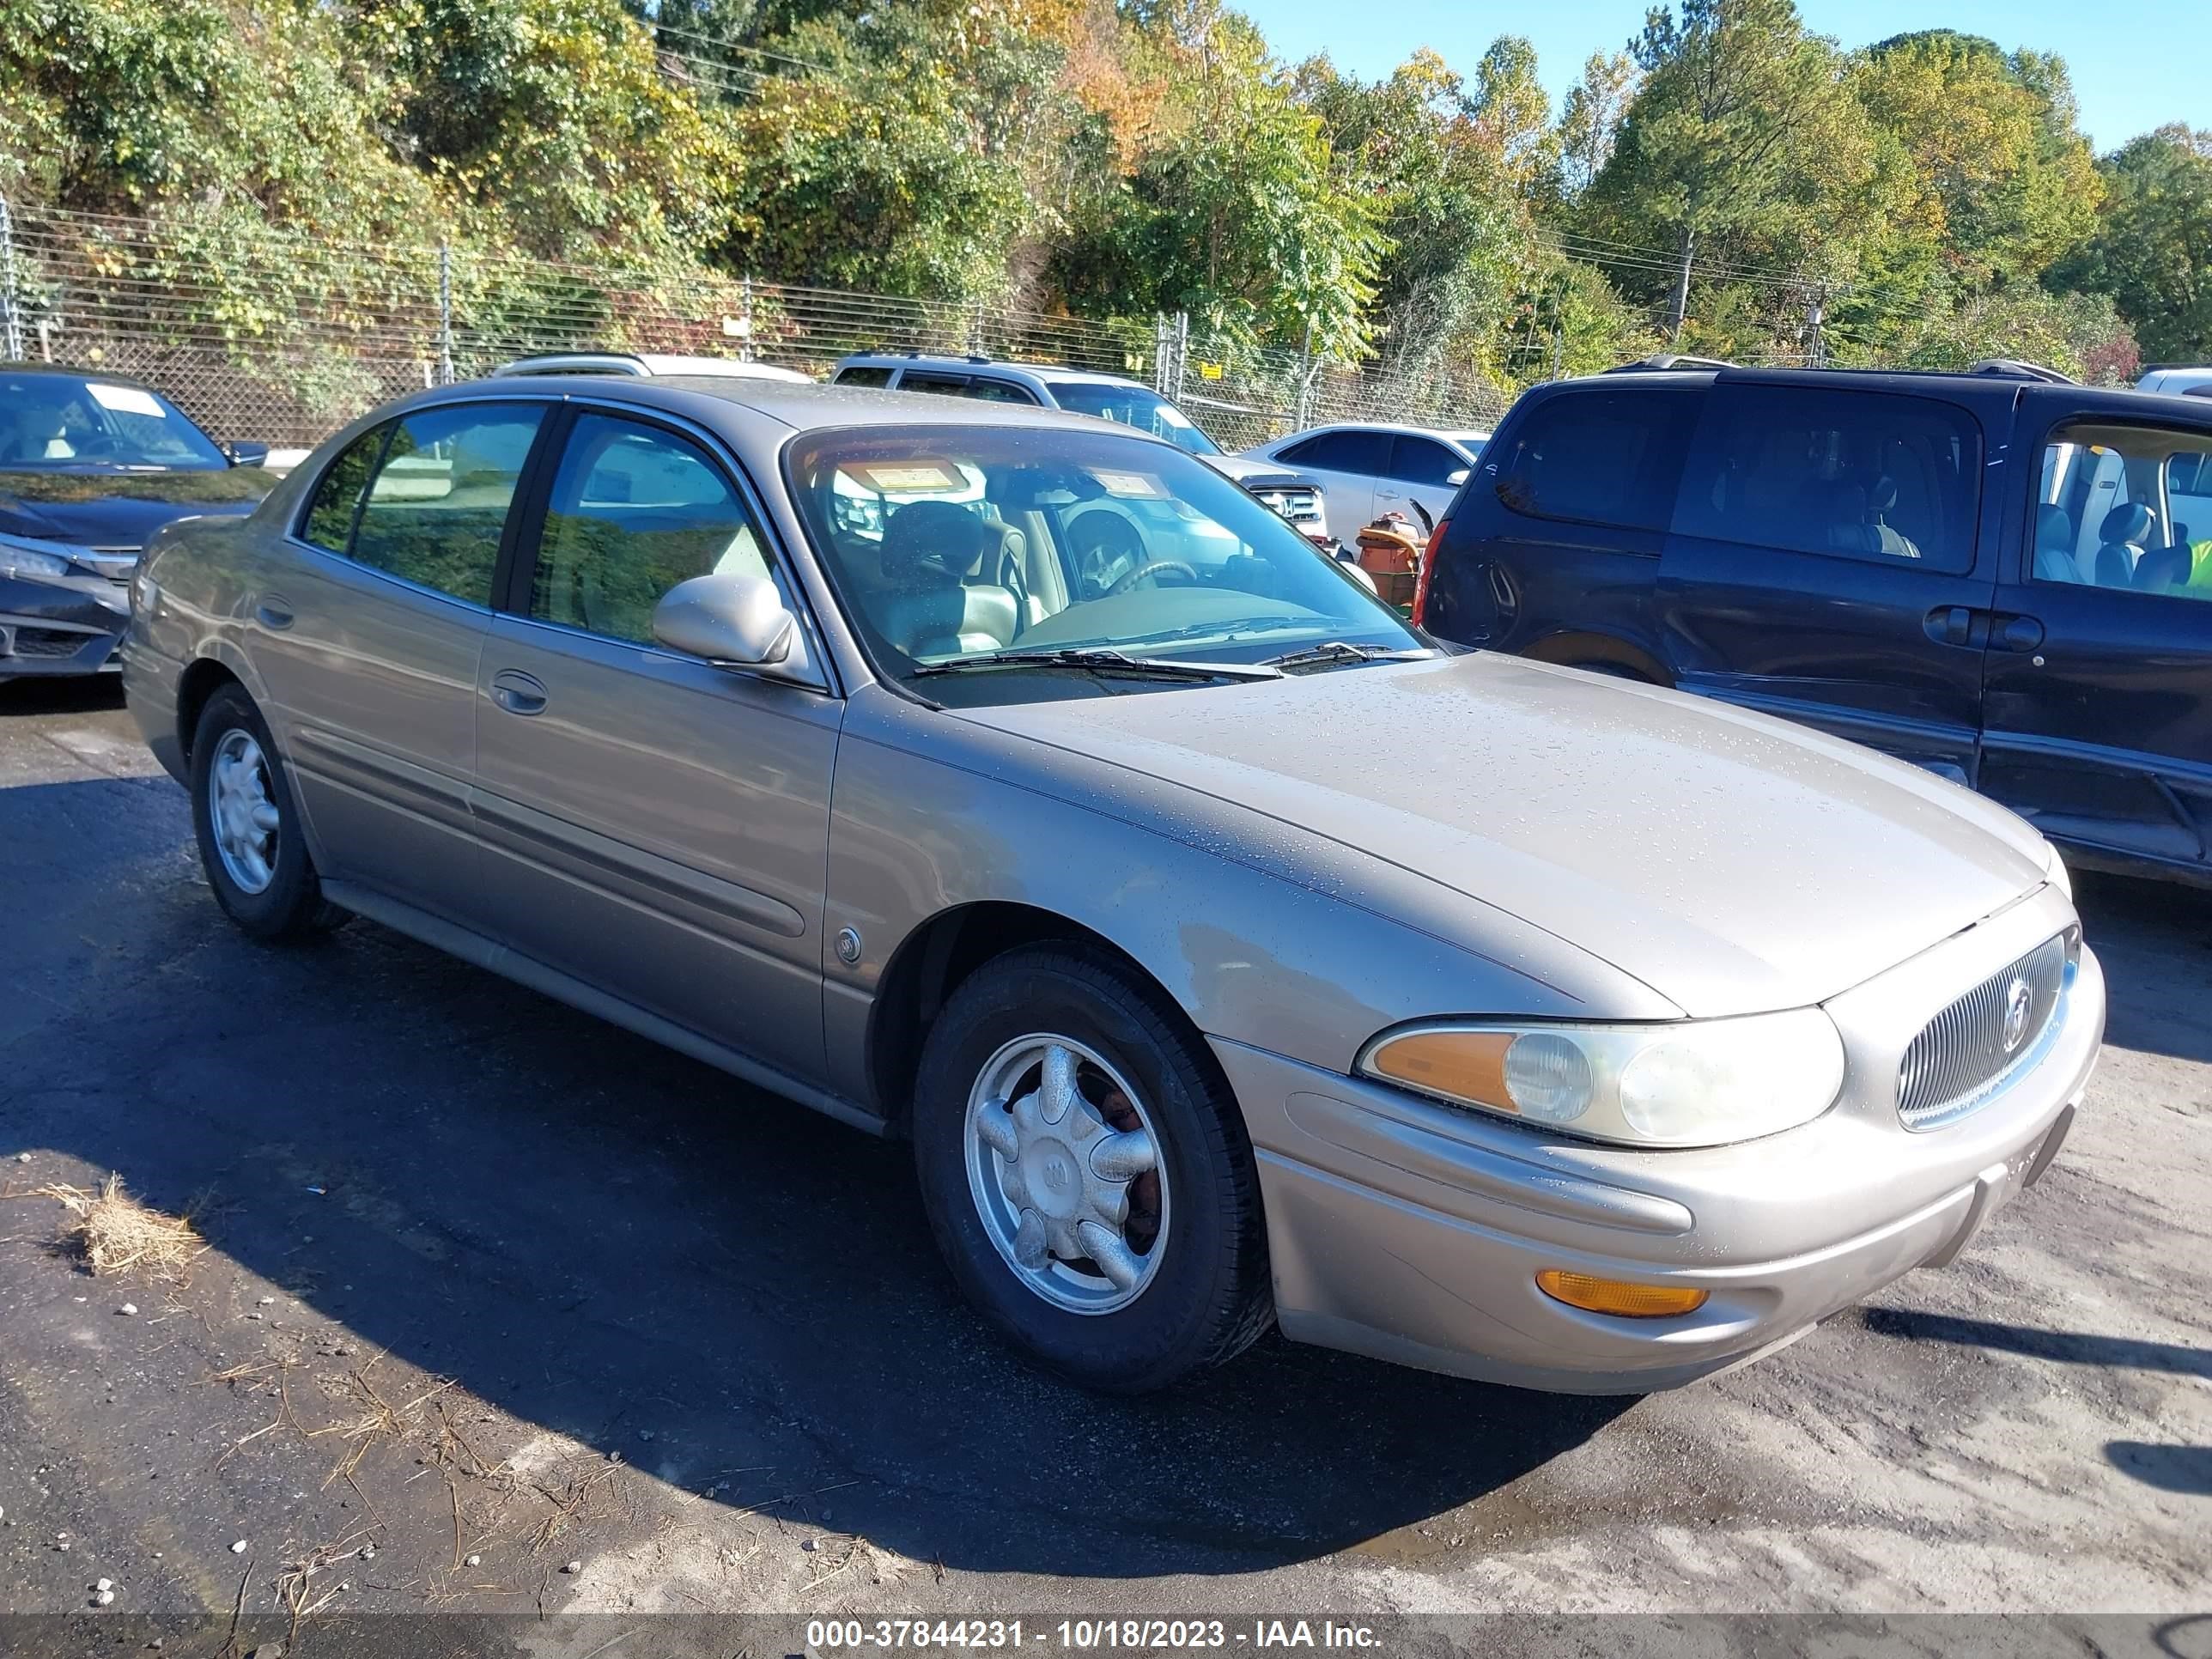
x=1122, y=585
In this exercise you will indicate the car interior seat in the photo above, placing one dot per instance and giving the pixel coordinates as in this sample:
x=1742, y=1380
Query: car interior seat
x=2122, y=537
x=930, y=606
x=2054, y=546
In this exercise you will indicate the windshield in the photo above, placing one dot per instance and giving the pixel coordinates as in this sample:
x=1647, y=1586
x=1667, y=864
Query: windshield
x=951, y=543
x=62, y=423
x=1131, y=405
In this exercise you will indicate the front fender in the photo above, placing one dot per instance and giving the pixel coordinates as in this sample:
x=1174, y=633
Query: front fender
x=1277, y=939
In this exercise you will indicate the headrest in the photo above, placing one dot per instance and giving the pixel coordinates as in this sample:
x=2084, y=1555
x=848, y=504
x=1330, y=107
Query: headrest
x=1882, y=495
x=2129, y=521
x=942, y=533
x=2054, y=527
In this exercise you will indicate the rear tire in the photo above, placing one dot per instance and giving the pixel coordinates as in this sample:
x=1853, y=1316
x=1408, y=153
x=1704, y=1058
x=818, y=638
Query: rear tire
x=1145, y=1162
x=248, y=828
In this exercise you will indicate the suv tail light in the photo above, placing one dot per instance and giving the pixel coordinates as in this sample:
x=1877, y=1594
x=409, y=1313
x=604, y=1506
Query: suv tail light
x=1428, y=570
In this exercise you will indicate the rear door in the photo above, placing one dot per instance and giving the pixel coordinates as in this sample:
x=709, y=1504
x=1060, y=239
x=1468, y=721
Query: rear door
x=368, y=637
x=1421, y=474
x=655, y=825
x=1345, y=461
x=1826, y=564
x=1554, y=544
x=2099, y=718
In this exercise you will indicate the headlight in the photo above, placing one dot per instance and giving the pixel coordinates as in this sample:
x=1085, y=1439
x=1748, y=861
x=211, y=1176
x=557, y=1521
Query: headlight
x=21, y=556
x=1695, y=1082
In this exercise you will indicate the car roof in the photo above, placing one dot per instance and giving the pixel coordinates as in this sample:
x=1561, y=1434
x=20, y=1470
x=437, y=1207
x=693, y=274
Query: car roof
x=661, y=364
x=1462, y=434
x=78, y=372
x=807, y=406
x=977, y=365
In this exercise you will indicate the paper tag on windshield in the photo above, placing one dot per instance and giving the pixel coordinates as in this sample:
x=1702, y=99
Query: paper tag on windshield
x=1134, y=486
x=911, y=479
x=124, y=399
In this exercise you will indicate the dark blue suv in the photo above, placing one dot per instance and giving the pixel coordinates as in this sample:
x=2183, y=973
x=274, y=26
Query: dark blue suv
x=2001, y=578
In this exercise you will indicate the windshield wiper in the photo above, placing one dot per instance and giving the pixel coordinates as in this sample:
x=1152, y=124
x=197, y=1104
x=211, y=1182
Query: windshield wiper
x=1339, y=651
x=1104, y=662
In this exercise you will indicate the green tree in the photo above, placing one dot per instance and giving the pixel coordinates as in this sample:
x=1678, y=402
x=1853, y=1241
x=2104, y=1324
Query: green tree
x=1589, y=121
x=2152, y=251
x=1742, y=129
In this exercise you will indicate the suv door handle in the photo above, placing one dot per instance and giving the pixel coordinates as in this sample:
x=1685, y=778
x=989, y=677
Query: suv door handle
x=273, y=613
x=1952, y=625
x=518, y=693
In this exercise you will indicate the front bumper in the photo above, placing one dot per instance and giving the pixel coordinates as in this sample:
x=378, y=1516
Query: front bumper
x=65, y=626
x=1414, y=1232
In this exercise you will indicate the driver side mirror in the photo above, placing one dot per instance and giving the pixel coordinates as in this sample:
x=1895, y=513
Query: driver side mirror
x=731, y=619
x=1456, y=477
x=244, y=454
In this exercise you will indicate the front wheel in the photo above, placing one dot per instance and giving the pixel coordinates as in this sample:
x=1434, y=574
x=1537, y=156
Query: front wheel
x=1086, y=1174
x=248, y=828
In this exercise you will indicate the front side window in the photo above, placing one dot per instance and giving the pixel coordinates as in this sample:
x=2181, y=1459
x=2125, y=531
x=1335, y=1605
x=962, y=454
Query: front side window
x=1423, y=461
x=73, y=423
x=634, y=510
x=1132, y=406
x=951, y=543
x=2125, y=508
x=438, y=507
x=1858, y=475
x=328, y=523
x=1607, y=457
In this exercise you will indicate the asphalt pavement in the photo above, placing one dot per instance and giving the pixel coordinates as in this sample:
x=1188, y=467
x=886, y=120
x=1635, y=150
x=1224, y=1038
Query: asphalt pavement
x=494, y=1290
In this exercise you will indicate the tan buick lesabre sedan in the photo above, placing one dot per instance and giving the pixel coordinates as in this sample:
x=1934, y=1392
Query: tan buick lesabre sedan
x=1230, y=955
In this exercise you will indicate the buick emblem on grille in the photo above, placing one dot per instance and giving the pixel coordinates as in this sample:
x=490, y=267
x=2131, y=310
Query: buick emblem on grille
x=2020, y=1002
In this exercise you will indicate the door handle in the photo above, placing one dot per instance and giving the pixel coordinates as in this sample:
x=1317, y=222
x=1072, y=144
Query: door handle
x=2019, y=633
x=273, y=613
x=517, y=692
x=1952, y=625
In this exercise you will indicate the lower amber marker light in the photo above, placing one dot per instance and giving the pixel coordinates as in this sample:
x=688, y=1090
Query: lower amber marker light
x=1618, y=1297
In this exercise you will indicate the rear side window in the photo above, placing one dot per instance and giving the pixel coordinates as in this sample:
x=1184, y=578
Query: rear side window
x=1609, y=458
x=862, y=376
x=947, y=385
x=1851, y=474
x=1365, y=452
x=330, y=516
x=438, y=508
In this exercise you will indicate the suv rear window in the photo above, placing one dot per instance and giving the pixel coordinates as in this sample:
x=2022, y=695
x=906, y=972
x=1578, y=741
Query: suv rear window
x=862, y=375
x=1854, y=475
x=1608, y=456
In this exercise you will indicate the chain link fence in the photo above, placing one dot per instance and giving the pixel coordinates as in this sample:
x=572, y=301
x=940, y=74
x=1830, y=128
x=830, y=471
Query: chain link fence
x=266, y=335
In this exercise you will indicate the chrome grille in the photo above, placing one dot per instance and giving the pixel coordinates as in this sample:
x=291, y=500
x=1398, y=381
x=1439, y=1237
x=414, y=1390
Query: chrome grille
x=1962, y=1054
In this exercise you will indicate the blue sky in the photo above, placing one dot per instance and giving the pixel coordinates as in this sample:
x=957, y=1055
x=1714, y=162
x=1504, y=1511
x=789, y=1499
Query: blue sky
x=2136, y=64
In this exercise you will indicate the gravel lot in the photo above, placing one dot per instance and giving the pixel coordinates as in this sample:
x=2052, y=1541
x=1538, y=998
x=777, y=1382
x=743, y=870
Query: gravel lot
x=495, y=1288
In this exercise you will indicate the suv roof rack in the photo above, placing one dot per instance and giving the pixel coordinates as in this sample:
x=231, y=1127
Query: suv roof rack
x=1661, y=360
x=2013, y=369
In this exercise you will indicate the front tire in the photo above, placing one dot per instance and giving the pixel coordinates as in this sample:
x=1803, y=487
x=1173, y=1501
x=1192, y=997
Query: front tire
x=248, y=828
x=1087, y=1173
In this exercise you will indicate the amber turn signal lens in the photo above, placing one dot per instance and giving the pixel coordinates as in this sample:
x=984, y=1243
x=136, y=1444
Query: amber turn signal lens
x=1614, y=1296
x=1465, y=1065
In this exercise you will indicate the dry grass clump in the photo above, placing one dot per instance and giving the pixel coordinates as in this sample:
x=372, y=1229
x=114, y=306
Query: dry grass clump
x=116, y=1234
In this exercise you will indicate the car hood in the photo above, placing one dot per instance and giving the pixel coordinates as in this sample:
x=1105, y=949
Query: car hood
x=121, y=509
x=1246, y=471
x=1732, y=862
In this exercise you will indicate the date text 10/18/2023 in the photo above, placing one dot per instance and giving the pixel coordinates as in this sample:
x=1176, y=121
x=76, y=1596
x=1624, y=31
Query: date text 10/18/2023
x=1082, y=1635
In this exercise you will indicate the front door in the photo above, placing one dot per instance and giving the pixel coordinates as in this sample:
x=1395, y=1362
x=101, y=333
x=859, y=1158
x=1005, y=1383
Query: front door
x=1825, y=564
x=1420, y=480
x=655, y=825
x=368, y=634
x=2098, y=723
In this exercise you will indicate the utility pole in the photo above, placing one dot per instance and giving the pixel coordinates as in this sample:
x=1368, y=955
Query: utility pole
x=446, y=314
x=11, y=324
x=1816, y=341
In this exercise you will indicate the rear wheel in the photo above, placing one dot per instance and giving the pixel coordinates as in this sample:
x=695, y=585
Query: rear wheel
x=1086, y=1174
x=248, y=829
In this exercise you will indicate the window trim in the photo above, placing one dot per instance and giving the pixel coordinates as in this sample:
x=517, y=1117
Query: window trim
x=2020, y=555
x=503, y=560
x=1974, y=470
x=515, y=602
